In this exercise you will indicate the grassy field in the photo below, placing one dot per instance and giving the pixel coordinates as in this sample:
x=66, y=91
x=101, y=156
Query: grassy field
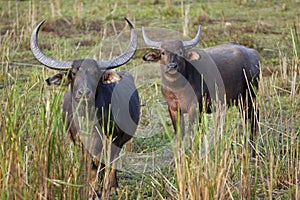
x=37, y=158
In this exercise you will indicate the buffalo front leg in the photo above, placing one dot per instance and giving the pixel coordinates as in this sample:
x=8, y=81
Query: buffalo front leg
x=174, y=114
x=113, y=181
x=94, y=177
x=192, y=114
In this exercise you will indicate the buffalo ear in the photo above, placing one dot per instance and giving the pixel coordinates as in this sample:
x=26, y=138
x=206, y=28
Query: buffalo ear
x=193, y=55
x=57, y=79
x=151, y=56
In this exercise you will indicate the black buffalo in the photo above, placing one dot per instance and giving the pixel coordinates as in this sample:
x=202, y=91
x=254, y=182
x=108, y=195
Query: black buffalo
x=192, y=78
x=112, y=95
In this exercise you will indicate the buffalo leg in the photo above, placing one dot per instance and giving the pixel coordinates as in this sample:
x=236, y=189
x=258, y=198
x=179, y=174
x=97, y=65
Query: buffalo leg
x=253, y=117
x=113, y=182
x=174, y=117
x=192, y=117
x=93, y=177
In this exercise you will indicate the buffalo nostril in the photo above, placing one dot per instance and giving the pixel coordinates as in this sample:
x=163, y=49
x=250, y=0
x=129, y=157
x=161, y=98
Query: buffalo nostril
x=84, y=93
x=172, y=65
x=88, y=92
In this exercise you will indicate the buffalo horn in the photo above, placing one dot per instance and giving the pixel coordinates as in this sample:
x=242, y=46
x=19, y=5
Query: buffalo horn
x=148, y=41
x=41, y=57
x=59, y=65
x=193, y=42
x=124, y=57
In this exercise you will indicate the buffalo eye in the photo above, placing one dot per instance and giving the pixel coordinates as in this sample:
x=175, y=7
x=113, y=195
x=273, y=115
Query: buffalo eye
x=162, y=53
x=180, y=53
x=74, y=71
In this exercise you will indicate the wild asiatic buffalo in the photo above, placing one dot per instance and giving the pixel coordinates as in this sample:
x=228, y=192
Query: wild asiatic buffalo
x=112, y=95
x=193, y=78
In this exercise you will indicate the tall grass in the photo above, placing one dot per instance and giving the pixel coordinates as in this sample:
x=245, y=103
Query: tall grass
x=38, y=160
x=32, y=154
x=219, y=163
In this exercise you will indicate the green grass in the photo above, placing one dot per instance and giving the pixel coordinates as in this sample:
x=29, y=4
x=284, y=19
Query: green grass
x=37, y=158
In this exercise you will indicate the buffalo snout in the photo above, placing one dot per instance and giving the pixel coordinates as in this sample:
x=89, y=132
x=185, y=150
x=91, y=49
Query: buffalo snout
x=84, y=93
x=171, y=67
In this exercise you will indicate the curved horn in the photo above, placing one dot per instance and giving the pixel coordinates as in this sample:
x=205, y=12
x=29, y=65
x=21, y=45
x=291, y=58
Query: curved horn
x=41, y=57
x=148, y=41
x=124, y=57
x=193, y=42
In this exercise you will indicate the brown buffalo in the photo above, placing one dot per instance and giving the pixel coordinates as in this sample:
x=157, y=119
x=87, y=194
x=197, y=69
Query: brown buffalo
x=192, y=78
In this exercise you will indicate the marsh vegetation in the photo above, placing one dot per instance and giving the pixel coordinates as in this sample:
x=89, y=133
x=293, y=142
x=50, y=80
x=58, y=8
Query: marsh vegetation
x=39, y=161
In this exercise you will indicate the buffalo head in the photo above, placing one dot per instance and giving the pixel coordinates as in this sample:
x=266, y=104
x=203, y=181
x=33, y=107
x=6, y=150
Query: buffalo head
x=172, y=53
x=83, y=74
